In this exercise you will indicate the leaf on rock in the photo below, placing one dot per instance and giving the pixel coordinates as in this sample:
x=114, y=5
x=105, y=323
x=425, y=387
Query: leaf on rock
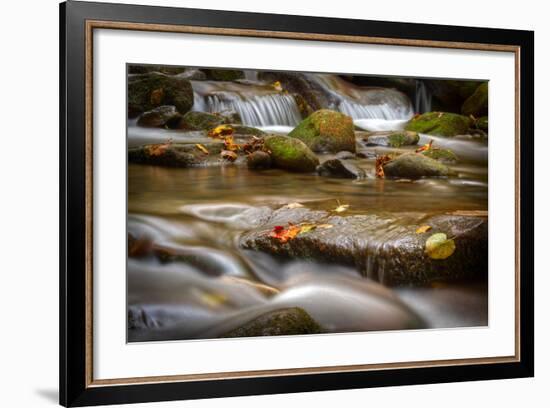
x=293, y=205
x=325, y=226
x=341, y=208
x=230, y=144
x=285, y=234
x=379, y=165
x=439, y=247
x=228, y=155
x=304, y=228
x=427, y=146
x=158, y=149
x=202, y=148
x=277, y=85
x=221, y=130
x=422, y=229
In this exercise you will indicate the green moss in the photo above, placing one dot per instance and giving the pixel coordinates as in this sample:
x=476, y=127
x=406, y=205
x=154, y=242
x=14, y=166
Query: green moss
x=403, y=138
x=482, y=123
x=287, y=322
x=247, y=130
x=224, y=74
x=440, y=123
x=326, y=131
x=413, y=166
x=200, y=121
x=442, y=155
x=291, y=154
x=478, y=103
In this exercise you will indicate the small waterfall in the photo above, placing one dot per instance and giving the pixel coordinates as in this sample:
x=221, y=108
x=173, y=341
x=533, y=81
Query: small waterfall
x=423, y=99
x=257, y=110
x=383, y=111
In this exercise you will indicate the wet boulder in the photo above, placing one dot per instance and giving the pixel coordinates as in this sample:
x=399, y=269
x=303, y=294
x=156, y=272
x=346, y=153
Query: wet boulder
x=258, y=160
x=242, y=130
x=393, y=139
x=482, y=123
x=199, y=121
x=176, y=154
x=158, y=117
x=440, y=124
x=290, y=154
x=148, y=91
x=449, y=95
x=414, y=166
x=477, y=104
x=326, y=131
x=383, y=247
x=283, y=322
x=231, y=116
x=441, y=155
x=340, y=169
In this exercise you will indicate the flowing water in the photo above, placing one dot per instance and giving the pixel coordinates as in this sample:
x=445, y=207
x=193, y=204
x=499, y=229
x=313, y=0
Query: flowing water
x=202, y=212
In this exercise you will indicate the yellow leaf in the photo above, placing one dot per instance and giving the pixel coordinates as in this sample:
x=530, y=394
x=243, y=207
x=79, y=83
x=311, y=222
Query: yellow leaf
x=202, y=148
x=277, y=85
x=423, y=229
x=341, y=208
x=293, y=205
x=221, y=130
x=307, y=228
x=325, y=226
x=439, y=247
x=228, y=155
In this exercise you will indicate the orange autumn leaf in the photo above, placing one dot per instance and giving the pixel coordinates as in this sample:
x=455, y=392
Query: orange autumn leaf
x=158, y=149
x=427, y=146
x=228, y=155
x=285, y=234
x=230, y=144
x=379, y=165
x=221, y=130
x=422, y=229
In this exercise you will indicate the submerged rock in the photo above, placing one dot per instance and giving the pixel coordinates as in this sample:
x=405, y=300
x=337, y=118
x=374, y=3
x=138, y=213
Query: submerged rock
x=158, y=117
x=379, y=246
x=340, y=169
x=148, y=91
x=393, y=139
x=291, y=154
x=414, y=165
x=440, y=124
x=326, y=131
x=258, y=160
x=478, y=103
x=284, y=322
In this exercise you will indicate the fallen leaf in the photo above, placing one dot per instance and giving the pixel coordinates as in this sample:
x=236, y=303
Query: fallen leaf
x=293, y=205
x=277, y=85
x=427, y=146
x=228, y=155
x=379, y=165
x=440, y=114
x=221, y=130
x=423, y=229
x=341, y=208
x=157, y=95
x=202, y=148
x=325, y=226
x=158, y=149
x=230, y=144
x=285, y=235
x=439, y=247
x=304, y=228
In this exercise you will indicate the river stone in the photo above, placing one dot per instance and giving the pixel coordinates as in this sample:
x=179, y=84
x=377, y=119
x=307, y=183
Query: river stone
x=231, y=116
x=385, y=247
x=247, y=130
x=326, y=131
x=199, y=121
x=340, y=169
x=291, y=154
x=449, y=95
x=148, y=91
x=158, y=117
x=478, y=103
x=414, y=166
x=440, y=124
x=177, y=154
x=442, y=155
x=284, y=322
x=393, y=139
x=258, y=160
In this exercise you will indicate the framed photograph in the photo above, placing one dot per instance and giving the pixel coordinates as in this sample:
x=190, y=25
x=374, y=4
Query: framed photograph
x=257, y=203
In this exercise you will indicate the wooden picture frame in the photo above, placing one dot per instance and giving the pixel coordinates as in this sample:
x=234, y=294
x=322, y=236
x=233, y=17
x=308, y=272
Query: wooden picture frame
x=77, y=22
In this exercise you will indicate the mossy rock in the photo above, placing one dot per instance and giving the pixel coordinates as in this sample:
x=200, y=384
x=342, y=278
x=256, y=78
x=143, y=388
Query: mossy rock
x=240, y=130
x=290, y=154
x=231, y=116
x=393, y=139
x=478, y=103
x=326, y=131
x=158, y=117
x=482, y=123
x=440, y=124
x=284, y=322
x=449, y=95
x=414, y=166
x=224, y=74
x=442, y=155
x=151, y=90
x=200, y=121
x=340, y=169
x=175, y=154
